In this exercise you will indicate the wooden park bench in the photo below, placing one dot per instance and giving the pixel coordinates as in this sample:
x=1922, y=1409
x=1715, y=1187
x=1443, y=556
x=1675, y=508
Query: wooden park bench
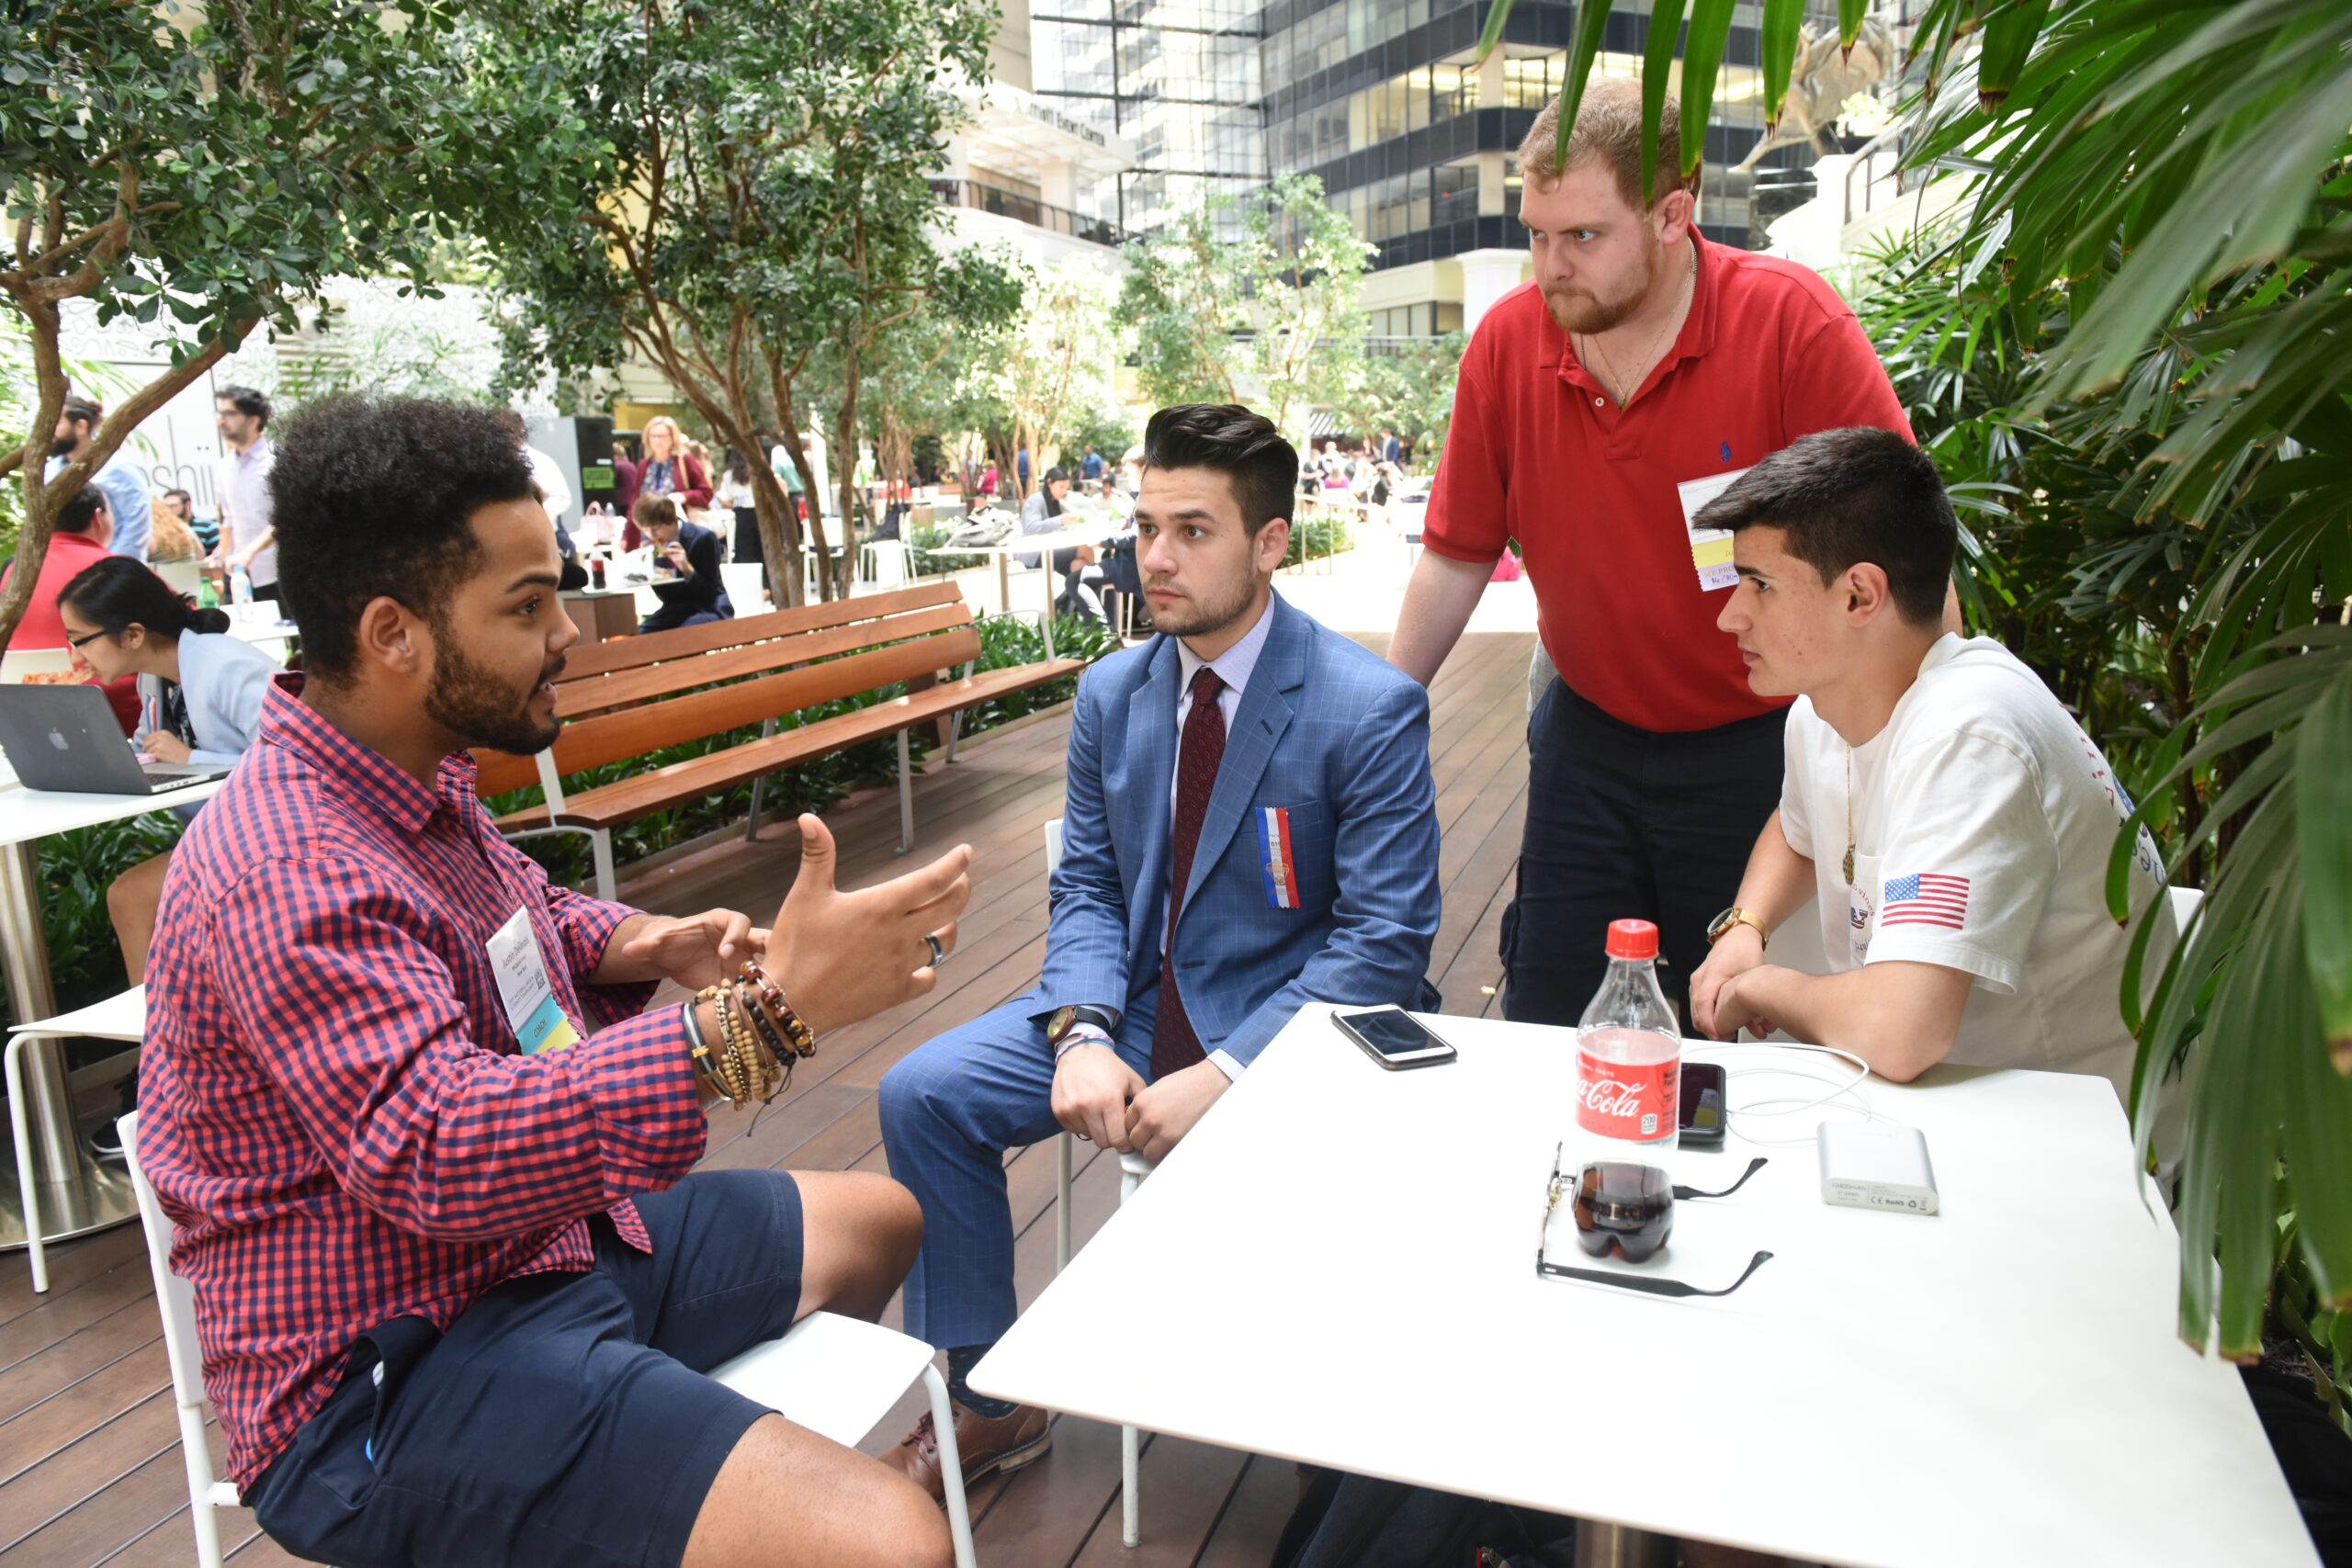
x=625, y=698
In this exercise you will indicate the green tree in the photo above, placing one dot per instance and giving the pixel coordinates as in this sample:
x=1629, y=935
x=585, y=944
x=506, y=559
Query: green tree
x=2171, y=206
x=1407, y=387
x=196, y=171
x=1251, y=298
x=731, y=191
x=916, y=293
x=1057, y=360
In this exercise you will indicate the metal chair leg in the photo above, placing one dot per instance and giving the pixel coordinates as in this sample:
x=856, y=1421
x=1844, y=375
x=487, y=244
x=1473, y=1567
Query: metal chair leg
x=906, y=798
x=759, y=787
x=1064, y=1146
x=27, y=1184
x=600, y=845
x=951, y=1467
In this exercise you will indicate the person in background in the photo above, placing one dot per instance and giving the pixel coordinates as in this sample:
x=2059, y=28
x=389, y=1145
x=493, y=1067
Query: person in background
x=1644, y=363
x=735, y=493
x=242, y=485
x=84, y=527
x=624, y=480
x=671, y=469
x=1020, y=468
x=1391, y=449
x=198, y=699
x=171, y=532
x=989, y=481
x=1042, y=513
x=695, y=592
x=1953, y=822
x=1091, y=468
x=130, y=498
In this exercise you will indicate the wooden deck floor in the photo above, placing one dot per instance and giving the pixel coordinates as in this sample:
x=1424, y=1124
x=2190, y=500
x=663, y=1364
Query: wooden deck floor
x=89, y=1468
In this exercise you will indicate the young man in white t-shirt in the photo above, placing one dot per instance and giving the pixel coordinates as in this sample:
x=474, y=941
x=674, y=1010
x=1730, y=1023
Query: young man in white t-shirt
x=1953, y=822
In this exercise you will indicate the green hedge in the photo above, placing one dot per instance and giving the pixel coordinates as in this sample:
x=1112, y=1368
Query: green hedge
x=85, y=962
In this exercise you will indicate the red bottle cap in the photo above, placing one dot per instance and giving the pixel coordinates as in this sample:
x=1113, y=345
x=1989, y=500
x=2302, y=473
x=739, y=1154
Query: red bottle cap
x=1633, y=939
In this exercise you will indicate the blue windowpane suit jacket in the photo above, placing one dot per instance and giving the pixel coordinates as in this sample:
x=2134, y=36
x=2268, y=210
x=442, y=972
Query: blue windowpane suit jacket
x=1327, y=731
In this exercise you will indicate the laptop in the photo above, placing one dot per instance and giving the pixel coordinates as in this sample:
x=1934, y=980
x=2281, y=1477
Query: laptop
x=67, y=737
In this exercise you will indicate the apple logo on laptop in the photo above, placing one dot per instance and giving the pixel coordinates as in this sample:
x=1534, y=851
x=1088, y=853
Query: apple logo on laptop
x=57, y=738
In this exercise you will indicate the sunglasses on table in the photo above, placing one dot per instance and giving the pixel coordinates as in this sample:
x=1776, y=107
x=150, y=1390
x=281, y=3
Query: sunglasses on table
x=1626, y=1207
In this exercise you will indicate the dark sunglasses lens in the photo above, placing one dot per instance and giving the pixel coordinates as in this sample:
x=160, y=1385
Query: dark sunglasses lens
x=1639, y=1249
x=1596, y=1244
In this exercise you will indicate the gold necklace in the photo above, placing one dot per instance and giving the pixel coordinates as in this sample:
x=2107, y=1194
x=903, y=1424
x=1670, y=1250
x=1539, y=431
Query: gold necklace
x=1849, y=817
x=1614, y=383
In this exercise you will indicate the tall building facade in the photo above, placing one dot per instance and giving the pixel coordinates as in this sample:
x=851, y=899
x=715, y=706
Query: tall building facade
x=1382, y=101
x=1178, y=79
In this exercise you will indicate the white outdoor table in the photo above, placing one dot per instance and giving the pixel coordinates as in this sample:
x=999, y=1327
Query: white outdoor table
x=77, y=1195
x=1338, y=1267
x=1043, y=545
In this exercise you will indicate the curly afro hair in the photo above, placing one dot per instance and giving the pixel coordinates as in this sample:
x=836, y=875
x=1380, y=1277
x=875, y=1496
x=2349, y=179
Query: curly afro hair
x=374, y=498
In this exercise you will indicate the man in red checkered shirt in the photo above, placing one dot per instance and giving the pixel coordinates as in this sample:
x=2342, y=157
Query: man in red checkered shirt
x=428, y=1159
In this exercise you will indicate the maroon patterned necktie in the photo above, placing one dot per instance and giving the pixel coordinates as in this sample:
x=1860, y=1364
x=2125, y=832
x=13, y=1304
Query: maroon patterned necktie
x=1173, y=1043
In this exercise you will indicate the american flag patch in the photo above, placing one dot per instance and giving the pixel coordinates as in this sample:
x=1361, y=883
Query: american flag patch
x=1281, y=871
x=1925, y=899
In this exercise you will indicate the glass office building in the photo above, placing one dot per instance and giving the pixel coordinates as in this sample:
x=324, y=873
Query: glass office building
x=1177, y=78
x=1381, y=100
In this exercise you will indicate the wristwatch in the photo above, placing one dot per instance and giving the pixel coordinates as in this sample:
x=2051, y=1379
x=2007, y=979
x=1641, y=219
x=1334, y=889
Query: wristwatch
x=1720, y=927
x=1065, y=1019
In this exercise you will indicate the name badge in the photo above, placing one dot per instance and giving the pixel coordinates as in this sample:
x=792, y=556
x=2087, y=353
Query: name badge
x=1710, y=548
x=1281, y=871
x=525, y=989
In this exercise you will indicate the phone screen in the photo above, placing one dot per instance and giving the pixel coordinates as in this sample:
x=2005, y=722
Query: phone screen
x=1696, y=1116
x=1393, y=1033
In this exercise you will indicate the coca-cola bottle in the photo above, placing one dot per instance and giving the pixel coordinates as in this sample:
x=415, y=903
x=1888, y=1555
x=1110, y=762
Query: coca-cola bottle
x=1628, y=1052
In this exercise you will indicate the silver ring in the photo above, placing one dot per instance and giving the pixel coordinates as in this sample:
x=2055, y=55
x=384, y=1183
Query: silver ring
x=938, y=953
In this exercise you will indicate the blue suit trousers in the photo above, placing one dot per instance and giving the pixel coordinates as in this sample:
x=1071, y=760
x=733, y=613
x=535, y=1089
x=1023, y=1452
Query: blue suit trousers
x=949, y=1113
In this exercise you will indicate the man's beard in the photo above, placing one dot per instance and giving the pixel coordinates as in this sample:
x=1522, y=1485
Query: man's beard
x=1207, y=616
x=61, y=447
x=1579, y=311
x=474, y=704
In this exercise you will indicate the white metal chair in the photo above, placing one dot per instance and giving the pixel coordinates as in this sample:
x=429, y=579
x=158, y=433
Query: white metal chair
x=747, y=584
x=176, y=1300
x=122, y=1017
x=837, y=1376
x=883, y=562
x=1133, y=1169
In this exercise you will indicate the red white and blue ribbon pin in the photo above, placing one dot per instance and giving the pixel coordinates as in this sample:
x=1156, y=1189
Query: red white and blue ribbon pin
x=1281, y=870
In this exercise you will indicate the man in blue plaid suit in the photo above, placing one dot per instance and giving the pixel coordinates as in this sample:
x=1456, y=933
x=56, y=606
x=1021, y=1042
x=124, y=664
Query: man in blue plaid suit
x=1279, y=775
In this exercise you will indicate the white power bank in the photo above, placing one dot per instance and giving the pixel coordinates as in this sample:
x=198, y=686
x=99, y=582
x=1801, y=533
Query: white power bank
x=1876, y=1165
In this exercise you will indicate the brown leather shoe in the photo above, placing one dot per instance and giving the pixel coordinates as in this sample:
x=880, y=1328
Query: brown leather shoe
x=1006, y=1443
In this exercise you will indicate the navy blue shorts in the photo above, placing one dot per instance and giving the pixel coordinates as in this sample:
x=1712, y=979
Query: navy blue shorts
x=563, y=1418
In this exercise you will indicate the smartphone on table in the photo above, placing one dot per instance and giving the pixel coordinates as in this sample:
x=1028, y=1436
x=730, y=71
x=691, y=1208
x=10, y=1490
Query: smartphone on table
x=1703, y=1113
x=1394, y=1038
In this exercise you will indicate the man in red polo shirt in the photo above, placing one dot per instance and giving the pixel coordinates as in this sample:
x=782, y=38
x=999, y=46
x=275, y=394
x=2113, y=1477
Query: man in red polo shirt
x=1598, y=408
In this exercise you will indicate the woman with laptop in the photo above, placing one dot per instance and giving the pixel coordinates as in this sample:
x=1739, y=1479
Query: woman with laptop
x=200, y=698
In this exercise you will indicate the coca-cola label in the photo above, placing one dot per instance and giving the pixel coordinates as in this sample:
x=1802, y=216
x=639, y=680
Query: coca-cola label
x=1626, y=1100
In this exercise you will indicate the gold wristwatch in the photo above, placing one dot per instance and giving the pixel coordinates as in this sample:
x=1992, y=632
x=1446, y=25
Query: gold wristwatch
x=1720, y=927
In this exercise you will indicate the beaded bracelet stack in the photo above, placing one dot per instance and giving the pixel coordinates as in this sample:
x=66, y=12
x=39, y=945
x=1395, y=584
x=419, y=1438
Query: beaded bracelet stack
x=759, y=1038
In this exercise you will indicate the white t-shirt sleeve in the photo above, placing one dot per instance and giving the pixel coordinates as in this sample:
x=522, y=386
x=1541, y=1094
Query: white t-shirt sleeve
x=1967, y=860
x=1794, y=825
